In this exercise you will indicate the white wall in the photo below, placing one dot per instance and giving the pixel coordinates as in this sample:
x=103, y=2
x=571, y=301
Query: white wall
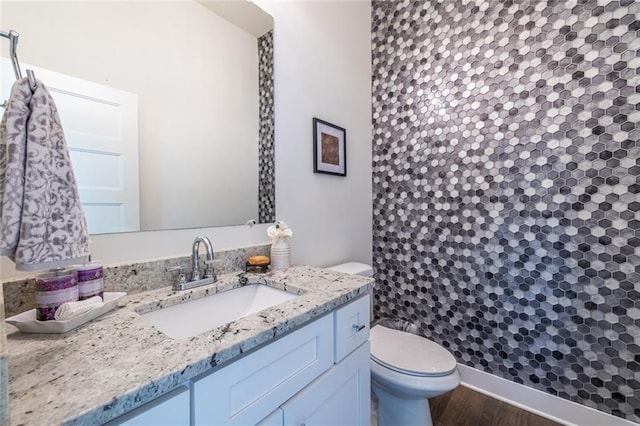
x=196, y=77
x=322, y=69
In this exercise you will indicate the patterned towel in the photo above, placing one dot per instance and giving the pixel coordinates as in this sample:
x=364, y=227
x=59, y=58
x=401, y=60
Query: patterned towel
x=42, y=225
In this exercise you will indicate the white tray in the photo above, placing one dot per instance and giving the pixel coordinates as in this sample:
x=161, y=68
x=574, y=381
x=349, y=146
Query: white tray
x=27, y=322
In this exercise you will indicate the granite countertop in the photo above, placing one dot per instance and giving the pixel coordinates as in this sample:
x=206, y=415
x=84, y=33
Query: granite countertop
x=120, y=361
x=3, y=365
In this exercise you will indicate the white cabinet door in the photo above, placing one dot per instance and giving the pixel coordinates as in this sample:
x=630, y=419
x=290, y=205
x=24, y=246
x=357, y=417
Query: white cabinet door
x=249, y=389
x=274, y=419
x=172, y=409
x=341, y=396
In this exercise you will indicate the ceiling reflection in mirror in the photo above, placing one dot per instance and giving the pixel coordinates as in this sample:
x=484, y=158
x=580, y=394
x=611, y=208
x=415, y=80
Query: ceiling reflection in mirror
x=167, y=106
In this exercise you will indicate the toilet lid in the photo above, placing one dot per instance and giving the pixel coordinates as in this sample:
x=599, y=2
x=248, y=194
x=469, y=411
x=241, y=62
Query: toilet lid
x=409, y=354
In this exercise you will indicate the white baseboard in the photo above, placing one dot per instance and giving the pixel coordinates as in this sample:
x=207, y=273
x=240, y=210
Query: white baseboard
x=541, y=403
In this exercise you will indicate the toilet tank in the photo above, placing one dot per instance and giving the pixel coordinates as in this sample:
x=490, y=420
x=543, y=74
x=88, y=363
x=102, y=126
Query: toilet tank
x=355, y=268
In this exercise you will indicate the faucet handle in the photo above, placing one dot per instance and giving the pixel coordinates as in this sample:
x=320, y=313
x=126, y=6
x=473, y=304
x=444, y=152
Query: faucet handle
x=182, y=277
x=209, y=270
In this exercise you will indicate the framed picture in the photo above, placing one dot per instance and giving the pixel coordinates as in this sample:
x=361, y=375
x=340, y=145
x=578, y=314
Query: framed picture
x=329, y=148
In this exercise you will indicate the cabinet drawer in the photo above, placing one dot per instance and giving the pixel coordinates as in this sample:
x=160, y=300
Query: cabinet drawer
x=352, y=326
x=171, y=409
x=248, y=390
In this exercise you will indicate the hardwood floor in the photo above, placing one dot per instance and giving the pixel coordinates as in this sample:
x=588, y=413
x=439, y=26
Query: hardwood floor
x=465, y=407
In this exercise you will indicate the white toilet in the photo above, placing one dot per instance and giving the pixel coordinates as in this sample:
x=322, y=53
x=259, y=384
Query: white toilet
x=406, y=369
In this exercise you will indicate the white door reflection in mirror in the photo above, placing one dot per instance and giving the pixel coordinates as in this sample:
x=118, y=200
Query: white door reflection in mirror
x=101, y=129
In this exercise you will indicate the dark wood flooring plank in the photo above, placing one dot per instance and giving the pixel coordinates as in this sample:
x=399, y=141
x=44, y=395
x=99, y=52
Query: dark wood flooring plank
x=466, y=407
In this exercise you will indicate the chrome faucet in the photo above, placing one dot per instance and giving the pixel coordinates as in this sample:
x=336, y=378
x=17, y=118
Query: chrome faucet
x=194, y=258
x=196, y=280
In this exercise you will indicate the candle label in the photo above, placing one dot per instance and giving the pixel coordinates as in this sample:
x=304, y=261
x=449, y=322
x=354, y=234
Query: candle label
x=90, y=282
x=52, y=291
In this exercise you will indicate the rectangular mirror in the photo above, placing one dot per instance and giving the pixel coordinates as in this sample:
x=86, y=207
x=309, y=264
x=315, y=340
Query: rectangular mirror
x=167, y=106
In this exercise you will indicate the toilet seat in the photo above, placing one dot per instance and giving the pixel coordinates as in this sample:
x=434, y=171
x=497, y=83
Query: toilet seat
x=409, y=354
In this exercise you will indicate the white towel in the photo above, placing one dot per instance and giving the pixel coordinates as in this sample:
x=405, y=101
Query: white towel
x=42, y=225
x=70, y=310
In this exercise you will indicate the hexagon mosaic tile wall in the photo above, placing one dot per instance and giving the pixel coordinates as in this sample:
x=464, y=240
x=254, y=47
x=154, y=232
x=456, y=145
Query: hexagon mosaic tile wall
x=506, y=168
x=266, y=136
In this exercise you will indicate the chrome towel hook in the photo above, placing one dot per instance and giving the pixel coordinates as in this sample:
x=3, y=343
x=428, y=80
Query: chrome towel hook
x=13, y=47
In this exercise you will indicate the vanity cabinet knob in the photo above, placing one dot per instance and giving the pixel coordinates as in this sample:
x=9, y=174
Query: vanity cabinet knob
x=358, y=328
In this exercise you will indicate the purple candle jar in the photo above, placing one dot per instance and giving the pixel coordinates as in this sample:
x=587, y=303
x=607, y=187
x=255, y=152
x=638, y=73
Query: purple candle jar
x=90, y=281
x=52, y=290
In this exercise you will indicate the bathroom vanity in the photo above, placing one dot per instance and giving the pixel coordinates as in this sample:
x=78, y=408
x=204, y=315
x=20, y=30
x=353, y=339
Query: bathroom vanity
x=305, y=360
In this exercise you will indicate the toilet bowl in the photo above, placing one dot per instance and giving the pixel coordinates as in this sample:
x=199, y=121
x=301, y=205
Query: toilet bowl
x=406, y=369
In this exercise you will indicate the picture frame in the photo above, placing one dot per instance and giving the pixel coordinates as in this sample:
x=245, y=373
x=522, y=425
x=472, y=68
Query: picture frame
x=329, y=148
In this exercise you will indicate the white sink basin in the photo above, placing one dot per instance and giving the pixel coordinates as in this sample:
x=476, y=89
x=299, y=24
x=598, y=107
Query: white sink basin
x=196, y=316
